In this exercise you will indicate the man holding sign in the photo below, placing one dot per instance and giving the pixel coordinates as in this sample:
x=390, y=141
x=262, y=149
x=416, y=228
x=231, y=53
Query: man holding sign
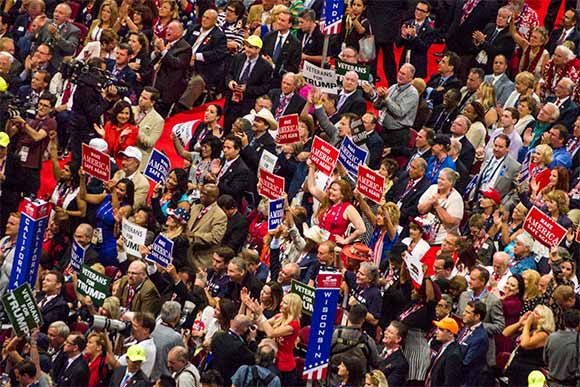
x=136, y=292
x=132, y=158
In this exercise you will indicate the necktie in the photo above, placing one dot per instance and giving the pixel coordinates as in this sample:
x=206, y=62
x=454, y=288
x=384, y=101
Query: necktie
x=488, y=173
x=130, y=296
x=125, y=380
x=246, y=74
x=572, y=145
x=494, y=35
x=282, y=106
x=341, y=100
x=66, y=93
x=558, y=102
x=441, y=81
x=277, y=49
x=428, y=378
x=562, y=37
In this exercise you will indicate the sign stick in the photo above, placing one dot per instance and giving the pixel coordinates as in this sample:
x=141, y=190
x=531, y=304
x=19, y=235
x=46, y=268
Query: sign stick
x=325, y=49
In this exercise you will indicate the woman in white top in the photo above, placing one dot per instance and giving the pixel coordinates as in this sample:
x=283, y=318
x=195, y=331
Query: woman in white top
x=108, y=14
x=417, y=246
x=524, y=85
x=476, y=133
x=444, y=204
x=527, y=108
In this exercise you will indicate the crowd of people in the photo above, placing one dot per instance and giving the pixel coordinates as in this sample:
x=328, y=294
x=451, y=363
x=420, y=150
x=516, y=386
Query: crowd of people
x=466, y=150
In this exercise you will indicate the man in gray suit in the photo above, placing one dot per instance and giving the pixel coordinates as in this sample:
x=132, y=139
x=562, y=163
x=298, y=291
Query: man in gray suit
x=501, y=83
x=497, y=172
x=60, y=34
x=494, y=321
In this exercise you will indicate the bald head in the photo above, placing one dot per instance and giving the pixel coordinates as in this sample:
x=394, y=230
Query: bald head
x=500, y=262
x=174, y=31
x=209, y=19
x=240, y=324
x=209, y=194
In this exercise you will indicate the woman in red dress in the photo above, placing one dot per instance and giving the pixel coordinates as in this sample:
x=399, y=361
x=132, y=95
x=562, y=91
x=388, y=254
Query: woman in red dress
x=121, y=131
x=336, y=212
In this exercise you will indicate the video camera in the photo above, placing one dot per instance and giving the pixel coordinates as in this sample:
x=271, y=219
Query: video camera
x=112, y=325
x=79, y=73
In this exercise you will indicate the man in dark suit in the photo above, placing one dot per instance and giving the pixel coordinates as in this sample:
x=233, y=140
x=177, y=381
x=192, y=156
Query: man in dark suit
x=563, y=99
x=444, y=80
x=286, y=100
x=459, y=127
x=310, y=37
x=416, y=37
x=444, y=369
x=282, y=49
x=567, y=31
x=494, y=39
x=248, y=78
x=423, y=142
x=237, y=229
x=234, y=176
x=350, y=98
x=408, y=189
x=73, y=370
x=32, y=91
x=467, y=17
x=474, y=342
x=384, y=19
x=120, y=68
x=52, y=304
x=455, y=152
x=444, y=114
x=209, y=50
x=374, y=142
x=170, y=66
x=393, y=362
x=233, y=348
x=61, y=34
x=131, y=375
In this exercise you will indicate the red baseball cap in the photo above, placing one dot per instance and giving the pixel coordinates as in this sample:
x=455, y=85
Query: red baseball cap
x=492, y=194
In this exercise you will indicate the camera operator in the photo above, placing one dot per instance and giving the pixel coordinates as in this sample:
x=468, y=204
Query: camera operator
x=89, y=103
x=30, y=139
x=142, y=324
x=165, y=337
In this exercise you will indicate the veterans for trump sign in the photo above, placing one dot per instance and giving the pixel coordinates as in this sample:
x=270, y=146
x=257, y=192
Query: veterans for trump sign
x=96, y=164
x=543, y=229
x=370, y=184
x=324, y=79
x=323, y=155
x=270, y=186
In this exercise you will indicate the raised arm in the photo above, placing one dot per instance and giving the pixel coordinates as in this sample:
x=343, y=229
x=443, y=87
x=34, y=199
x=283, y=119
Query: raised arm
x=311, y=184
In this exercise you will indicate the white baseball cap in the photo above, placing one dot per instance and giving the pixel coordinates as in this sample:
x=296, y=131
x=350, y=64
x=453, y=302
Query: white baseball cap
x=99, y=144
x=132, y=152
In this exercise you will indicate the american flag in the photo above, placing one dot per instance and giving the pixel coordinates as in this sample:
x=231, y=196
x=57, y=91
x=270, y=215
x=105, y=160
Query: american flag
x=316, y=372
x=331, y=21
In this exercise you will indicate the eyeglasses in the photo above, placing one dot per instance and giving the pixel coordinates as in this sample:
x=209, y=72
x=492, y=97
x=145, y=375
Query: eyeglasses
x=421, y=10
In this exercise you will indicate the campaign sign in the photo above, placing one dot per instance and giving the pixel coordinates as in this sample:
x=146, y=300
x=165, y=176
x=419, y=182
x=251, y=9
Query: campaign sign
x=93, y=284
x=77, y=255
x=158, y=167
x=324, y=79
x=268, y=161
x=270, y=186
x=22, y=310
x=359, y=133
x=306, y=294
x=184, y=131
x=543, y=229
x=134, y=236
x=161, y=251
x=323, y=155
x=96, y=164
x=288, y=131
x=318, y=353
x=33, y=222
x=370, y=184
x=415, y=267
x=342, y=68
x=328, y=279
x=351, y=156
x=275, y=213
x=332, y=14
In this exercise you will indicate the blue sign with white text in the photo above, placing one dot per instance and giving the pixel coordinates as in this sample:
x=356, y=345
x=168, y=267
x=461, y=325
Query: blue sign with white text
x=158, y=167
x=161, y=251
x=275, y=213
x=323, y=315
x=77, y=256
x=351, y=156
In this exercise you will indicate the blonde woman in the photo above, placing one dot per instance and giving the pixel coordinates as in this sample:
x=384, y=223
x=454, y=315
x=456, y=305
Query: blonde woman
x=284, y=328
x=534, y=328
x=108, y=14
x=532, y=294
x=485, y=95
x=376, y=378
x=525, y=83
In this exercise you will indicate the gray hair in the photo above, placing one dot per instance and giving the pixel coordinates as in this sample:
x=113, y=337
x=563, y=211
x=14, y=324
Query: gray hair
x=566, y=52
x=455, y=146
x=170, y=311
x=448, y=299
x=450, y=175
x=86, y=228
x=410, y=67
x=180, y=353
x=372, y=271
x=569, y=84
x=7, y=55
x=556, y=109
x=61, y=328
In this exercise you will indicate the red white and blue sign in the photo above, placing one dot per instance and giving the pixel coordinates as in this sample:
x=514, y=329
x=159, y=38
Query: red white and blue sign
x=275, y=213
x=161, y=251
x=77, y=256
x=320, y=340
x=351, y=156
x=33, y=222
x=158, y=167
x=331, y=21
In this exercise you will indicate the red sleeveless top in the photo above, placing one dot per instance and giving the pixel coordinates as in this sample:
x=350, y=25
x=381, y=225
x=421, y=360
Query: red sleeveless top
x=332, y=220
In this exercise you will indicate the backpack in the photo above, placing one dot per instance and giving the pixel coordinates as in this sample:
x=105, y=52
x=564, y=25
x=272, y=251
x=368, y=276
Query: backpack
x=258, y=381
x=358, y=349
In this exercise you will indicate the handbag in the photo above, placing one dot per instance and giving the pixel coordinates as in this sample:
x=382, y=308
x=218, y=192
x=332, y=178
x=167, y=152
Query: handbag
x=367, y=51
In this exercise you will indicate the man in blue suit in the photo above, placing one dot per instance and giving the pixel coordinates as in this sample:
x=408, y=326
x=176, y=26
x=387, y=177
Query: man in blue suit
x=474, y=342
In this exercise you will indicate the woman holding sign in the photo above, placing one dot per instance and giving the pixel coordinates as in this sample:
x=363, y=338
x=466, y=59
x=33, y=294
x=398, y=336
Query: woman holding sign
x=115, y=195
x=171, y=195
x=336, y=212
